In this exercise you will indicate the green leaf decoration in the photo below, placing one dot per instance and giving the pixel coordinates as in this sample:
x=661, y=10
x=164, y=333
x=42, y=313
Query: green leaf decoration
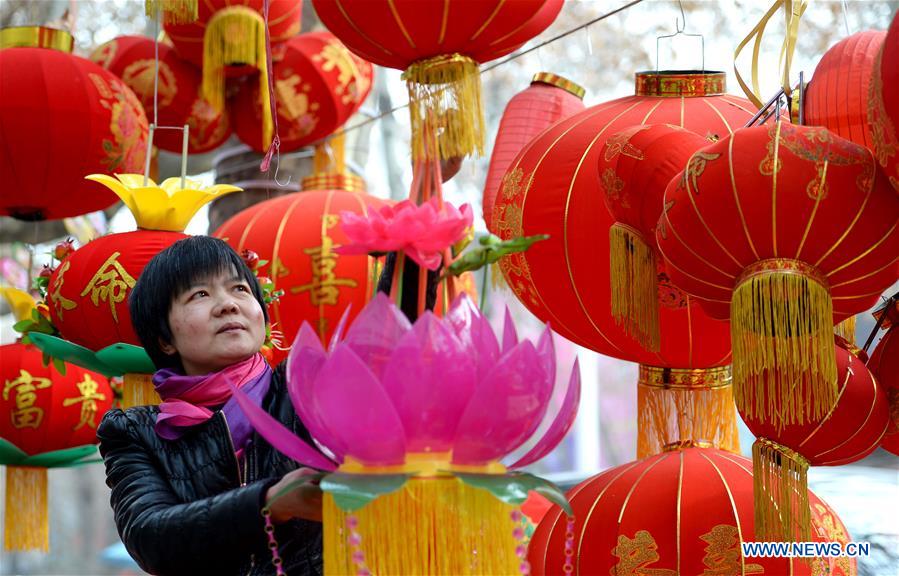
x=126, y=358
x=23, y=325
x=11, y=455
x=353, y=491
x=513, y=488
x=489, y=250
x=71, y=353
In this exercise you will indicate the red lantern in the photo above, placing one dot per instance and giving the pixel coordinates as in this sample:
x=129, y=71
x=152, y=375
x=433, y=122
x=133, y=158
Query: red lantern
x=439, y=45
x=547, y=100
x=297, y=234
x=132, y=58
x=47, y=420
x=837, y=96
x=851, y=430
x=552, y=188
x=319, y=84
x=884, y=365
x=883, y=105
x=790, y=225
x=680, y=512
x=229, y=39
x=67, y=117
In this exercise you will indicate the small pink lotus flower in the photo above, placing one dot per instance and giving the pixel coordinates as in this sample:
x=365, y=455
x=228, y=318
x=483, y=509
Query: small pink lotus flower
x=442, y=387
x=423, y=232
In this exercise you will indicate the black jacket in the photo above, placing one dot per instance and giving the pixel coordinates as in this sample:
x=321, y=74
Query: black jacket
x=184, y=507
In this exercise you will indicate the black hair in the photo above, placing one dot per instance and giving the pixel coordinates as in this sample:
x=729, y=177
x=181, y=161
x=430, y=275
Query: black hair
x=168, y=275
x=409, y=305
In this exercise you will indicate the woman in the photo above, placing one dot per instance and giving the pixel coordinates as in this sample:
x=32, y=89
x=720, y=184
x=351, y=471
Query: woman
x=193, y=488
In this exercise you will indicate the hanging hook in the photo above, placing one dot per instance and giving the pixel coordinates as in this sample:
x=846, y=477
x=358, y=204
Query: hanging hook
x=680, y=24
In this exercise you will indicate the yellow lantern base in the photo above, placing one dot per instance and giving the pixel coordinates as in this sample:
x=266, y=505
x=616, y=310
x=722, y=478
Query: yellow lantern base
x=26, y=526
x=138, y=390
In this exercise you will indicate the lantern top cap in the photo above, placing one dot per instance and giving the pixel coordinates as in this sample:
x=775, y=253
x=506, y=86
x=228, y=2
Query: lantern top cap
x=36, y=37
x=685, y=378
x=677, y=83
x=333, y=181
x=559, y=82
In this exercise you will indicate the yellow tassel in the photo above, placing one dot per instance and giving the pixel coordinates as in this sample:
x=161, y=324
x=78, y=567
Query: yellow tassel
x=138, y=390
x=174, y=11
x=782, y=334
x=780, y=491
x=635, y=290
x=445, y=100
x=677, y=406
x=430, y=526
x=846, y=330
x=497, y=280
x=26, y=526
x=235, y=36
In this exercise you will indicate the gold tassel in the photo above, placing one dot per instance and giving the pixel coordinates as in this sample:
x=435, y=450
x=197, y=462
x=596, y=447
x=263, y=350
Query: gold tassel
x=676, y=406
x=445, y=100
x=138, y=390
x=235, y=36
x=846, y=330
x=782, y=334
x=26, y=526
x=430, y=526
x=635, y=290
x=174, y=11
x=780, y=490
x=497, y=280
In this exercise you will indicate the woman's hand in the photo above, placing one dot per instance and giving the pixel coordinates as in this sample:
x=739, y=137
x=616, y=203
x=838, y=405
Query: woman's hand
x=303, y=500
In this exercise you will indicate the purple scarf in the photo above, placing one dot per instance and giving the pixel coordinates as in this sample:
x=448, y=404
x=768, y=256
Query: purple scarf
x=188, y=400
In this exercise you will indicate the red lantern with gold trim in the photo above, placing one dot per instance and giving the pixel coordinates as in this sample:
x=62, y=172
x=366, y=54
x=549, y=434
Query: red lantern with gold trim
x=851, y=430
x=439, y=45
x=319, y=84
x=132, y=58
x=680, y=512
x=61, y=117
x=552, y=188
x=790, y=228
x=884, y=364
x=297, y=235
x=47, y=419
x=228, y=39
x=837, y=95
x=883, y=105
x=547, y=100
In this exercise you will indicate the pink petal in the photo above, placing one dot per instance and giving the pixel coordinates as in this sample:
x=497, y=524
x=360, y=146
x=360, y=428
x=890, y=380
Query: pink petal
x=341, y=326
x=560, y=425
x=376, y=331
x=279, y=436
x=546, y=354
x=504, y=410
x=474, y=332
x=430, y=379
x=510, y=336
x=349, y=397
x=429, y=260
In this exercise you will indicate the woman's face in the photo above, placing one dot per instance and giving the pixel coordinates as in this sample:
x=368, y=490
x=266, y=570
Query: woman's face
x=215, y=323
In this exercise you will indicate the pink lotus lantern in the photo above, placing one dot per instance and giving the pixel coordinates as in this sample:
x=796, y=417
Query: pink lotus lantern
x=417, y=417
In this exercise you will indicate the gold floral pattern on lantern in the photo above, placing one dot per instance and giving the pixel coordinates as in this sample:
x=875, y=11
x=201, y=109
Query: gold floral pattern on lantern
x=670, y=296
x=105, y=54
x=351, y=80
x=613, y=187
x=293, y=97
x=206, y=124
x=127, y=149
x=883, y=133
x=140, y=75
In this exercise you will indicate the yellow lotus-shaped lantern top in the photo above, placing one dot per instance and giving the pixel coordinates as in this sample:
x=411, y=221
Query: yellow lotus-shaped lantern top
x=167, y=206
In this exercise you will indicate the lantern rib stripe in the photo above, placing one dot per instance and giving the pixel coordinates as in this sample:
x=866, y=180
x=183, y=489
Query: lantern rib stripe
x=864, y=424
x=737, y=462
x=276, y=308
x=889, y=264
x=443, y=23
x=852, y=224
x=670, y=262
x=630, y=492
x=324, y=234
x=499, y=6
x=371, y=262
x=682, y=104
x=602, y=493
x=702, y=220
x=502, y=39
x=573, y=179
x=737, y=103
x=358, y=30
x=680, y=486
x=857, y=296
x=818, y=197
x=689, y=341
x=719, y=114
x=693, y=252
x=399, y=22
x=832, y=409
x=774, y=170
x=246, y=232
x=285, y=16
x=733, y=507
x=651, y=110
x=866, y=252
x=186, y=39
x=733, y=187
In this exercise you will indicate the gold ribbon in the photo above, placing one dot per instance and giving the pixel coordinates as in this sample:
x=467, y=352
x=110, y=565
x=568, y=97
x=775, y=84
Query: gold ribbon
x=793, y=11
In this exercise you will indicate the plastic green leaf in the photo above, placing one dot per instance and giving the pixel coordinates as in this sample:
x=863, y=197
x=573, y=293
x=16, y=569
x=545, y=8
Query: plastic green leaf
x=71, y=353
x=490, y=250
x=10, y=454
x=353, y=491
x=126, y=358
x=513, y=488
x=63, y=458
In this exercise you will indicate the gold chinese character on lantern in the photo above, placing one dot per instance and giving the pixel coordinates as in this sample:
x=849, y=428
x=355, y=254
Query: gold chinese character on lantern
x=88, y=400
x=25, y=387
x=324, y=288
x=110, y=284
x=60, y=302
x=723, y=555
x=635, y=555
